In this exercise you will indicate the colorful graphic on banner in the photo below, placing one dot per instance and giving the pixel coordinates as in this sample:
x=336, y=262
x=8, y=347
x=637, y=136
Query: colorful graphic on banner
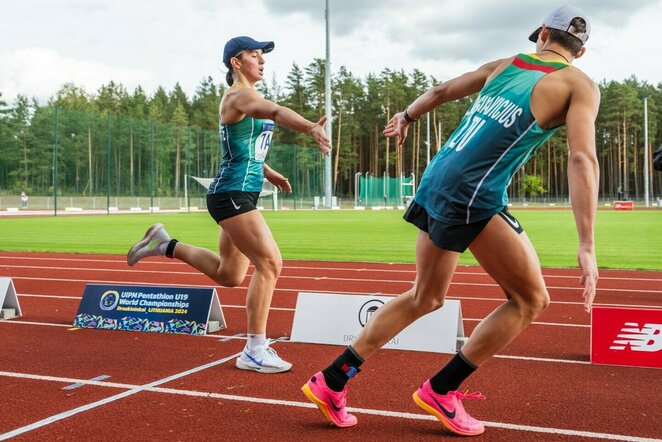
x=626, y=336
x=149, y=308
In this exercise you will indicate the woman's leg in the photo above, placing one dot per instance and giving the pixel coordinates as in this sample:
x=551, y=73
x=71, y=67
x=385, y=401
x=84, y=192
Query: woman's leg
x=228, y=268
x=251, y=237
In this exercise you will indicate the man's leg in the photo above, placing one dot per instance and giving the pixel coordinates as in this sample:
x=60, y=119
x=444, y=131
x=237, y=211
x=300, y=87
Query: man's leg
x=511, y=260
x=434, y=270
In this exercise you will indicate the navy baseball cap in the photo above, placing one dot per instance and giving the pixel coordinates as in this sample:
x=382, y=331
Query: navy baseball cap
x=561, y=19
x=243, y=43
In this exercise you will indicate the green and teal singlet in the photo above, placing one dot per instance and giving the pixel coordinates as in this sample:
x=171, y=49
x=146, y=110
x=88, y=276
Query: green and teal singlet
x=466, y=181
x=245, y=145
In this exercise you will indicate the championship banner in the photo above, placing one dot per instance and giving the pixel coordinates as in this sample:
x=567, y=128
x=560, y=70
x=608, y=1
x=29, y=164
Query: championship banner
x=184, y=310
x=626, y=336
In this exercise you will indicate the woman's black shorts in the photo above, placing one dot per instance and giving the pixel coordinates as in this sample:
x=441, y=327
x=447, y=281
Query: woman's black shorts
x=225, y=205
x=455, y=237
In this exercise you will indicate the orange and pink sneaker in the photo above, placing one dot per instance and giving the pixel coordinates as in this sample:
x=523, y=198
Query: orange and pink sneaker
x=449, y=410
x=331, y=403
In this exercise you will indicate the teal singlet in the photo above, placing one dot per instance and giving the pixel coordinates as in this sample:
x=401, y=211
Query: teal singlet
x=245, y=145
x=466, y=181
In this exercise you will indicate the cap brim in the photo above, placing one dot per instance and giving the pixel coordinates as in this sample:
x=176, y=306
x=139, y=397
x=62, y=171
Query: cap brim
x=534, y=35
x=266, y=46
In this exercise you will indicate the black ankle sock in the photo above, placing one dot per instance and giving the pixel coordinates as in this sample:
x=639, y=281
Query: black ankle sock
x=345, y=367
x=452, y=375
x=170, y=250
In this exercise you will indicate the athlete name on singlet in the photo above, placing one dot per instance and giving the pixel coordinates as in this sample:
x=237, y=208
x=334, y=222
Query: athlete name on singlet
x=497, y=108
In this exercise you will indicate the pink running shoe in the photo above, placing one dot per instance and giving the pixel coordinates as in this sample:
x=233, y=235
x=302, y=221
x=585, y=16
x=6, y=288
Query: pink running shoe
x=449, y=410
x=331, y=403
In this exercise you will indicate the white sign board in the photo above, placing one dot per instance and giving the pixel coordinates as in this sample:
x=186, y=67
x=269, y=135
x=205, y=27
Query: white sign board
x=337, y=319
x=8, y=300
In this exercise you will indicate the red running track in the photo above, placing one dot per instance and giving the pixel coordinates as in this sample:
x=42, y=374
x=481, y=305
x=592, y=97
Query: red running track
x=174, y=387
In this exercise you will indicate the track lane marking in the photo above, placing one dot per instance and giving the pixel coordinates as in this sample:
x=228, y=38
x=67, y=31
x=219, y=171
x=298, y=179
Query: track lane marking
x=472, y=284
x=225, y=338
x=347, y=269
x=296, y=404
x=78, y=384
x=134, y=390
x=468, y=298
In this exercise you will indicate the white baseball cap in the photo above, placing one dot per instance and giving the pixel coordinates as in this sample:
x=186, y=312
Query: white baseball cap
x=561, y=19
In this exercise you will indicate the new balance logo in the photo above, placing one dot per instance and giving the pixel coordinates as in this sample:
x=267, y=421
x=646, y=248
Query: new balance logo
x=647, y=338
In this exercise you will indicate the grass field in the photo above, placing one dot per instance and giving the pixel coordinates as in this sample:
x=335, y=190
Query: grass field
x=629, y=240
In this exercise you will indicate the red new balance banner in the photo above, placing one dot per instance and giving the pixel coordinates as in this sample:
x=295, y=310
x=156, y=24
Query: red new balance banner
x=626, y=336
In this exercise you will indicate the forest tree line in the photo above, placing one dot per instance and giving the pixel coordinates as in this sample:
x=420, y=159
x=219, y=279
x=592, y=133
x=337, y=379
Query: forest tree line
x=133, y=143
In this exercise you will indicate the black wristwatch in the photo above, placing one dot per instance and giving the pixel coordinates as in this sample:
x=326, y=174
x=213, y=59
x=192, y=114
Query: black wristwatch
x=408, y=118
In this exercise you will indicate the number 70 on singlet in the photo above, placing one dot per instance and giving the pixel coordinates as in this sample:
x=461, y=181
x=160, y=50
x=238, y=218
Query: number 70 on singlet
x=468, y=130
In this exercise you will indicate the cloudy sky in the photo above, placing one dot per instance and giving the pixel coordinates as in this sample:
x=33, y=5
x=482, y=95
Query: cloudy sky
x=45, y=43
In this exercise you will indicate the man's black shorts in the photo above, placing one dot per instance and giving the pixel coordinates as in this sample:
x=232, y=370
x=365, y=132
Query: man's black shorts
x=225, y=205
x=455, y=237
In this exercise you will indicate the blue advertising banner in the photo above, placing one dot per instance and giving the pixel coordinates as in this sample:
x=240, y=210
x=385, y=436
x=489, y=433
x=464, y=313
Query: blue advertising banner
x=150, y=308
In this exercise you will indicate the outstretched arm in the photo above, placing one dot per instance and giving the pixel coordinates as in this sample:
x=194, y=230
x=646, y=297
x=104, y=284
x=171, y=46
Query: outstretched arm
x=583, y=176
x=454, y=89
x=248, y=101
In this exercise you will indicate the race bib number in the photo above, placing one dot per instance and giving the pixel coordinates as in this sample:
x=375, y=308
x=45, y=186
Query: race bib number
x=263, y=141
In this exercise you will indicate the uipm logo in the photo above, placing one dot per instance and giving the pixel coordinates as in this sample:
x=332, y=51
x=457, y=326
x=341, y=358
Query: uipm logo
x=368, y=309
x=647, y=338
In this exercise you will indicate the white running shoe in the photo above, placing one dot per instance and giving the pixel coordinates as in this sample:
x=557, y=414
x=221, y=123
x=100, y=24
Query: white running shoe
x=263, y=360
x=148, y=245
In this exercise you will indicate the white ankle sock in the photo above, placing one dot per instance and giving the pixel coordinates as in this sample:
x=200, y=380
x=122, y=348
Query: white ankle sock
x=163, y=247
x=256, y=340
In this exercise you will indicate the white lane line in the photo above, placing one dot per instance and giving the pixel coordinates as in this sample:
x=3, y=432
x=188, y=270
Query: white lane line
x=468, y=298
x=229, y=338
x=136, y=389
x=366, y=411
x=287, y=267
x=241, y=336
x=289, y=309
x=78, y=384
x=472, y=284
x=330, y=278
x=49, y=324
x=551, y=360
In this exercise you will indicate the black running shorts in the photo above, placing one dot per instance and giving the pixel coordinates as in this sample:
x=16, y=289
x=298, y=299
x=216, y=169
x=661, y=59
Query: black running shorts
x=225, y=205
x=455, y=237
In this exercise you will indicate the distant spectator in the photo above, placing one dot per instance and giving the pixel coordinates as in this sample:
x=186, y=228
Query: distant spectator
x=24, y=200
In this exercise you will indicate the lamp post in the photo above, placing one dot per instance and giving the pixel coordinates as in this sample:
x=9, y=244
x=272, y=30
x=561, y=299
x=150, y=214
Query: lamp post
x=646, y=150
x=327, y=111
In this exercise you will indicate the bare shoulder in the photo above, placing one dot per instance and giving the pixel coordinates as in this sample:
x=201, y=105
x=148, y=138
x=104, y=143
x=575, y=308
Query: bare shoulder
x=579, y=81
x=582, y=88
x=236, y=103
x=235, y=94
